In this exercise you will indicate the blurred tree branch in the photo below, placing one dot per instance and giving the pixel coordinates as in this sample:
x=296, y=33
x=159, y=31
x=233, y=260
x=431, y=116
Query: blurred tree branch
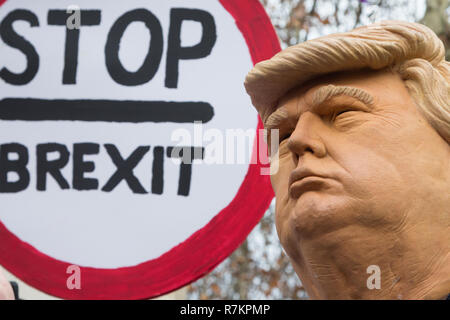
x=437, y=18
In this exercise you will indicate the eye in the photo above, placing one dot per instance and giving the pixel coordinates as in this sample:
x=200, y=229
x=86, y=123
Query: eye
x=338, y=113
x=343, y=111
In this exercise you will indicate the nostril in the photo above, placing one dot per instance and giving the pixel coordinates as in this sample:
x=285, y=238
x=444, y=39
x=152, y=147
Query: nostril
x=309, y=149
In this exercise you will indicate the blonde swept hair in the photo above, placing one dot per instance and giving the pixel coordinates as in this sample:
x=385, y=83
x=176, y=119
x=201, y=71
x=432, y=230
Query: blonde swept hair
x=411, y=49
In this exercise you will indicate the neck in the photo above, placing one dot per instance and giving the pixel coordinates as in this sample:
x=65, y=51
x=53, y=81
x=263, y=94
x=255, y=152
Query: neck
x=345, y=265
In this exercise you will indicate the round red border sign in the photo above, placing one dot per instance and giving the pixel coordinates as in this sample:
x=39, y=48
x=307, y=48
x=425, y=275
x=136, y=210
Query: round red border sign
x=205, y=248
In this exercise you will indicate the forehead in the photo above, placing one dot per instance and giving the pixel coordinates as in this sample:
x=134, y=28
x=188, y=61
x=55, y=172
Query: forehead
x=384, y=85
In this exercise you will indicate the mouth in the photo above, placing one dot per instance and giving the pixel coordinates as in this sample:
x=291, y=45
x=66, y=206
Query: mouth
x=303, y=180
x=309, y=183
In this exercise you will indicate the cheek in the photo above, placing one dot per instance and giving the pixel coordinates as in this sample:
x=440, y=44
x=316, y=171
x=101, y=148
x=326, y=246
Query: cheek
x=373, y=158
x=279, y=182
x=281, y=167
x=283, y=227
x=370, y=171
x=279, y=218
x=375, y=180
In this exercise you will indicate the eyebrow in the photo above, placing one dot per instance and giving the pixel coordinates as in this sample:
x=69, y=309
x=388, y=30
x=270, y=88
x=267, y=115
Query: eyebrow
x=330, y=91
x=320, y=96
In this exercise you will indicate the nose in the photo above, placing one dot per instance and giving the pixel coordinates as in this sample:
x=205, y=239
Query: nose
x=306, y=136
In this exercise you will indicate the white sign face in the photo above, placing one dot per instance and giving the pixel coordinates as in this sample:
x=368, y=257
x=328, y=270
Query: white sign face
x=97, y=98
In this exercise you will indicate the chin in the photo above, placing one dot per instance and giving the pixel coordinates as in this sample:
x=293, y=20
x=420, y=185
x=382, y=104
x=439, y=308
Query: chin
x=315, y=213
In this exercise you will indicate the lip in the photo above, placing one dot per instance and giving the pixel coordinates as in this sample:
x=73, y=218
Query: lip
x=302, y=173
x=302, y=180
x=306, y=184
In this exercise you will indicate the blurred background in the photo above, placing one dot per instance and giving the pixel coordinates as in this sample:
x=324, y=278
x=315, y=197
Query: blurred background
x=259, y=268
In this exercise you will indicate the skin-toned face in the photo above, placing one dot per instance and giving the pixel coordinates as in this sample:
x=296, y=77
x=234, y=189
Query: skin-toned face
x=362, y=179
x=6, y=292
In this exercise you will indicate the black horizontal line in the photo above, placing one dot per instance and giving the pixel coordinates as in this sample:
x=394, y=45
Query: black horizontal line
x=105, y=110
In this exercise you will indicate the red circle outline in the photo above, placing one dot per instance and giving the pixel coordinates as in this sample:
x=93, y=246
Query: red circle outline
x=203, y=250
